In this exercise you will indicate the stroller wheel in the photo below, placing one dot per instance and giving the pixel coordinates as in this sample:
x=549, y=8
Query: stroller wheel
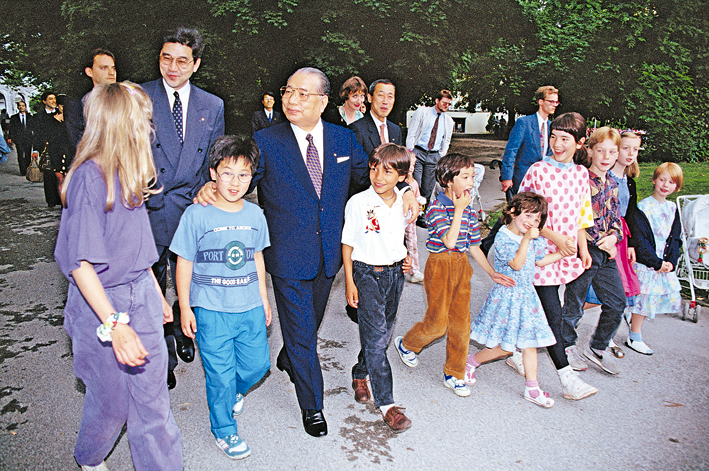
x=685, y=311
x=697, y=309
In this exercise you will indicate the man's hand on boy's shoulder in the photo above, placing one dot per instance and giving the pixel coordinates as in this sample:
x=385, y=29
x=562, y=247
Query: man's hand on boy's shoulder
x=206, y=195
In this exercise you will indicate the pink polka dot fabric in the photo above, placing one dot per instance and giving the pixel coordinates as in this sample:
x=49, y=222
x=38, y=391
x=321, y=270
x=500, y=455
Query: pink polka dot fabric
x=567, y=192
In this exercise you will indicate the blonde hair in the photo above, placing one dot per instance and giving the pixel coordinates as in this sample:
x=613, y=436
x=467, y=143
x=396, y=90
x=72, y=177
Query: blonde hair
x=117, y=138
x=632, y=170
x=673, y=170
x=601, y=134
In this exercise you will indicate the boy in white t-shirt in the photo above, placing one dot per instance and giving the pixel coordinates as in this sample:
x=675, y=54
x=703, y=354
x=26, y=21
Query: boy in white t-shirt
x=375, y=260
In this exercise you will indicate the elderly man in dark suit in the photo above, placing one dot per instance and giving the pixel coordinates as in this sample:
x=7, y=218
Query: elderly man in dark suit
x=267, y=116
x=187, y=120
x=20, y=133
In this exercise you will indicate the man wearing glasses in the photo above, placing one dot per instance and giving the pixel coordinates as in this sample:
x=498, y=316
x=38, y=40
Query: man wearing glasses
x=529, y=140
x=429, y=137
x=187, y=120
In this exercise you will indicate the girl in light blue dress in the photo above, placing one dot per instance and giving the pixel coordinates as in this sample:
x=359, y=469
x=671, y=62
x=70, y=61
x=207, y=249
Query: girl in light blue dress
x=655, y=227
x=513, y=317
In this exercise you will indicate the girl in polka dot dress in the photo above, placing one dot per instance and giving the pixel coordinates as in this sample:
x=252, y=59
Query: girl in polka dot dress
x=565, y=186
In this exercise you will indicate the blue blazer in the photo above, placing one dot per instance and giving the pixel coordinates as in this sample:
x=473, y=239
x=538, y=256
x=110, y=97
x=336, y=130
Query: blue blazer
x=367, y=133
x=522, y=150
x=182, y=170
x=302, y=227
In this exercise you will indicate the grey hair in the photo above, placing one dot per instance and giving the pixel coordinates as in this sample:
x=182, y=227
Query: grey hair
x=324, y=87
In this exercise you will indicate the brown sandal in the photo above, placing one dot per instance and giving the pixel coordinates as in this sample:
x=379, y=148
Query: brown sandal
x=617, y=351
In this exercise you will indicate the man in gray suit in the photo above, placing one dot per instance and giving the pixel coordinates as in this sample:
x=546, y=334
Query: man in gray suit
x=187, y=120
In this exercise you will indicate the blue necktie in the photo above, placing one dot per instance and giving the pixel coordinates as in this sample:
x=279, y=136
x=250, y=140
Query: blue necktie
x=177, y=116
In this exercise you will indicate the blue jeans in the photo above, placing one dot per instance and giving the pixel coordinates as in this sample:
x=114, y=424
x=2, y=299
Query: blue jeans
x=379, y=290
x=605, y=279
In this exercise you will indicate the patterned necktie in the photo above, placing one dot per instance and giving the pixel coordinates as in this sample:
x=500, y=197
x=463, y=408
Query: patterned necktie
x=434, y=131
x=382, y=139
x=177, y=116
x=312, y=162
x=542, y=136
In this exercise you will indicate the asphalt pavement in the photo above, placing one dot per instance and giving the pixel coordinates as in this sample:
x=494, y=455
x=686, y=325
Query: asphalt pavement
x=654, y=415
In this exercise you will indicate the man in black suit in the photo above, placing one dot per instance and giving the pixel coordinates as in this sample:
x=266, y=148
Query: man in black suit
x=374, y=128
x=21, y=135
x=267, y=116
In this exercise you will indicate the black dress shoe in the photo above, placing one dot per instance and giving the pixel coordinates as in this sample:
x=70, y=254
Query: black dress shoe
x=185, y=348
x=314, y=423
x=171, y=380
x=421, y=222
x=282, y=367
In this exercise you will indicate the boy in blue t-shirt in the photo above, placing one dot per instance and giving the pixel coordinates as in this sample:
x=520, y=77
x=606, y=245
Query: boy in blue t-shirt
x=221, y=273
x=375, y=260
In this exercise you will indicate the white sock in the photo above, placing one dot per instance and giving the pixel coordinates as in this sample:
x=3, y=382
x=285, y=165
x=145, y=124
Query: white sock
x=385, y=409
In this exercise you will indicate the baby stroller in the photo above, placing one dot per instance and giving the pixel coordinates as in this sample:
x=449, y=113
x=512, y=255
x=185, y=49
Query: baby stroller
x=693, y=264
x=475, y=193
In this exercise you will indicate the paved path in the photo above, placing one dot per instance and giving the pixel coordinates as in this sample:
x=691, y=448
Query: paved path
x=653, y=416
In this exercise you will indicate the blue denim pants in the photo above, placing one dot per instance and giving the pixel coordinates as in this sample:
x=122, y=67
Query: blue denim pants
x=605, y=279
x=379, y=290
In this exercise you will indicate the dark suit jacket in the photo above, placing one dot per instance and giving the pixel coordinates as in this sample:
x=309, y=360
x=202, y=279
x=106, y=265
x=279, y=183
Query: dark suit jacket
x=522, y=150
x=21, y=135
x=260, y=121
x=301, y=225
x=367, y=133
x=182, y=170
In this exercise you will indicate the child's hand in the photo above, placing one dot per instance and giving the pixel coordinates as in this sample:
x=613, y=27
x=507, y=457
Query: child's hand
x=267, y=311
x=188, y=321
x=586, y=259
x=666, y=267
x=631, y=255
x=352, y=295
x=127, y=346
x=406, y=266
x=607, y=244
x=166, y=310
x=503, y=280
x=463, y=202
x=532, y=233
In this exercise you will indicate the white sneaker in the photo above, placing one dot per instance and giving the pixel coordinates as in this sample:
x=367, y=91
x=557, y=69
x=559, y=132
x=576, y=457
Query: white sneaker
x=575, y=359
x=542, y=398
x=458, y=387
x=98, y=467
x=640, y=347
x=239, y=406
x=573, y=386
x=416, y=277
x=407, y=356
x=605, y=360
x=515, y=361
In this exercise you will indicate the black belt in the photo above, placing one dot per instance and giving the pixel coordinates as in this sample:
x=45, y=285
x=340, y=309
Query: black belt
x=426, y=150
x=382, y=267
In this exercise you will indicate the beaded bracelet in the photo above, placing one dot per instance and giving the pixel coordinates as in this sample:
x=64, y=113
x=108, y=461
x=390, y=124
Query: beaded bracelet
x=104, y=330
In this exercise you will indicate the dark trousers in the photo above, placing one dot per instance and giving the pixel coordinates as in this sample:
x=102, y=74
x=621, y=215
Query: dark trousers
x=549, y=296
x=51, y=189
x=173, y=330
x=425, y=171
x=379, y=290
x=301, y=307
x=605, y=279
x=24, y=155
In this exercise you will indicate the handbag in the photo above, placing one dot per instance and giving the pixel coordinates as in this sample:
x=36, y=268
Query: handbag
x=45, y=161
x=34, y=174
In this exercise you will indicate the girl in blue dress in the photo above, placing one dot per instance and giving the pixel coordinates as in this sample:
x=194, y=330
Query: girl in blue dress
x=513, y=317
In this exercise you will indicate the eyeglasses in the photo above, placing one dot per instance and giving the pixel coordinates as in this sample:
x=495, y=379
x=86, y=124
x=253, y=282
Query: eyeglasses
x=553, y=103
x=181, y=62
x=300, y=94
x=228, y=177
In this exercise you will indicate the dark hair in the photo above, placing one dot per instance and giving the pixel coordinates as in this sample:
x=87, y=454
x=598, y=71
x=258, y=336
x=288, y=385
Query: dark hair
x=526, y=201
x=46, y=93
x=444, y=93
x=450, y=165
x=393, y=156
x=324, y=87
x=574, y=124
x=268, y=93
x=373, y=85
x=352, y=85
x=89, y=60
x=232, y=147
x=189, y=37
